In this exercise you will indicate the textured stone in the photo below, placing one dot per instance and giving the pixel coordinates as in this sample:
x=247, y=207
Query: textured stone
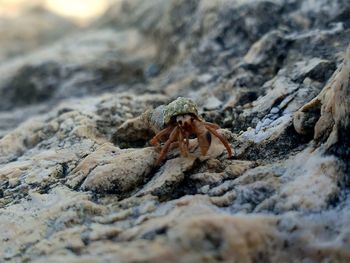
x=77, y=175
x=120, y=174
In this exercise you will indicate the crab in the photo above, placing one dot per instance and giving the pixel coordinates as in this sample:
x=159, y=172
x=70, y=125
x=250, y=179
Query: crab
x=182, y=121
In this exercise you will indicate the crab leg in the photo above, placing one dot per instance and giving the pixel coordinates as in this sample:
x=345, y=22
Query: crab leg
x=204, y=141
x=222, y=139
x=212, y=125
x=203, y=136
x=173, y=136
x=155, y=140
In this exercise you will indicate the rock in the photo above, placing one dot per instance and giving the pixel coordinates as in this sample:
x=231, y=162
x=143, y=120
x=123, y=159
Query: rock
x=165, y=182
x=59, y=71
x=316, y=69
x=238, y=167
x=35, y=28
x=212, y=238
x=333, y=106
x=105, y=153
x=267, y=52
x=313, y=188
x=77, y=176
x=43, y=214
x=120, y=174
x=212, y=103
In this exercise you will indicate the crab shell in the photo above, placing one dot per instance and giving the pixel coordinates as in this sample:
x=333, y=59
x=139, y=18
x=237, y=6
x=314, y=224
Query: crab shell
x=160, y=117
x=180, y=106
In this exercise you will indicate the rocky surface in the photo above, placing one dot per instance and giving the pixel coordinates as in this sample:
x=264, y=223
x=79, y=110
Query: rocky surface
x=77, y=175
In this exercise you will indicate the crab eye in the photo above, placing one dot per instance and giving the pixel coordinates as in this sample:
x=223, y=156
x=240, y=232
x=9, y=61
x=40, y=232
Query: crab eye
x=179, y=122
x=192, y=119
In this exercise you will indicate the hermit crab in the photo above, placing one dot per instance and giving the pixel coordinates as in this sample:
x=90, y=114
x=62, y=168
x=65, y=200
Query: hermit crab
x=181, y=122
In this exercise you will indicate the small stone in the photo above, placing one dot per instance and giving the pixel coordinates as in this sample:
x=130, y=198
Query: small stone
x=274, y=110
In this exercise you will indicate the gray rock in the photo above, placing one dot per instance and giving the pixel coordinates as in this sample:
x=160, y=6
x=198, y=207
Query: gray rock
x=78, y=181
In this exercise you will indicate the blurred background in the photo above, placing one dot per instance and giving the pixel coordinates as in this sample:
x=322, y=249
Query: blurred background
x=25, y=25
x=57, y=49
x=78, y=11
